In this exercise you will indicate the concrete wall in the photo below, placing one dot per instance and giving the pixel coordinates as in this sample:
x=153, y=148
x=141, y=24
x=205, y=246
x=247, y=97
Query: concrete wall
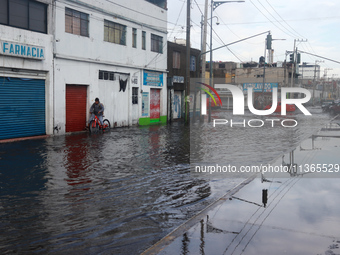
x=255, y=75
x=95, y=49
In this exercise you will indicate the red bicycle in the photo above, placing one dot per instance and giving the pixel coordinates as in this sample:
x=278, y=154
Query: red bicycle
x=95, y=125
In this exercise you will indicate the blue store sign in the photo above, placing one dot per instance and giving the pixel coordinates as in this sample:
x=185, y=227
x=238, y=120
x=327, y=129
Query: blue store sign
x=152, y=78
x=257, y=87
x=22, y=50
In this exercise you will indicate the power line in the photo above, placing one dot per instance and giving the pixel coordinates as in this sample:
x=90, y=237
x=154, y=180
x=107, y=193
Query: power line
x=270, y=20
x=180, y=12
x=291, y=20
x=269, y=214
x=284, y=20
x=224, y=23
x=107, y=12
x=130, y=9
x=258, y=208
x=219, y=36
x=227, y=47
x=274, y=17
x=319, y=56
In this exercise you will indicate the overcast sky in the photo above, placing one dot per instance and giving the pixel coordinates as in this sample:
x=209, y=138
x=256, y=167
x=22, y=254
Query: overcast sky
x=316, y=21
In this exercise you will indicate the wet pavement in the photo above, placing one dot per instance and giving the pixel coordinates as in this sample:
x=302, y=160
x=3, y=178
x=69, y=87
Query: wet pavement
x=121, y=192
x=301, y=217
x=278, y=213
x=114, y=193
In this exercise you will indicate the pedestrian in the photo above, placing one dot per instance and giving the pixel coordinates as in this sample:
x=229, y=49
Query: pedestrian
x=97, y=109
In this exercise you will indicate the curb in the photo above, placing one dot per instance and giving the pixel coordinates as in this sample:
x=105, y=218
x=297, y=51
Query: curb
x=24, y=138
x=165, y=241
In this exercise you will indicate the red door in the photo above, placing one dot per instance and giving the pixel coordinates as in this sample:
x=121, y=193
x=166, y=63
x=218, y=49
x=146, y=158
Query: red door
x=155, y=102
x=76, y=97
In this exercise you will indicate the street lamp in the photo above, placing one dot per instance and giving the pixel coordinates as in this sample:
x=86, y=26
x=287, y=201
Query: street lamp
x=214, y=5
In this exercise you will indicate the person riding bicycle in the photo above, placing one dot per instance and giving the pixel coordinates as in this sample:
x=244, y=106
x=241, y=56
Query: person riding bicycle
x=97, y=109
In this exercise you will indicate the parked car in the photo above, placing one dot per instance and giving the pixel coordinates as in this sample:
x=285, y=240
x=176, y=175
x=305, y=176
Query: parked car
x=289, y=107
x=327, y=104
x=335, y=108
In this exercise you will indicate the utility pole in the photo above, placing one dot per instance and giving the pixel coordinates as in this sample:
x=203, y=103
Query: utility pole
x=264, y=69
x=314, y=80
x=268, y=46
x=324, y=80
x=210, y=62
x=214, y=5
x=187, y=73
x=204, y=39
x=334, y=89
x=294, y=64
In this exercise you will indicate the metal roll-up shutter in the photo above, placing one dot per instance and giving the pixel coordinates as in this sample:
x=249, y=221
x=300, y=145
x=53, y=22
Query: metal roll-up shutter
x=76, y=96
x=22, y=107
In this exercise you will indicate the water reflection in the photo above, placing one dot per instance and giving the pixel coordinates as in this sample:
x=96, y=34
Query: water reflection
x=22, y=179
x=202, y=243
x=246, y=146
x=76, y=161
x=264, y=197
x=185, y=244
x=22, y=168
x=118, y=192
x=286, y=225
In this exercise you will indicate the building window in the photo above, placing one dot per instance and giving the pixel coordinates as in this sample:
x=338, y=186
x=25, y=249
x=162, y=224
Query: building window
x=156, y=43
x=135, y=95
x=176, y=60
x=76, y=22
x=106, y=75
x=221, y=65
x=26, y=14
x=160, y=3
x=114, y=33
x=134, y=37
x=192, y=63
x=143, y=40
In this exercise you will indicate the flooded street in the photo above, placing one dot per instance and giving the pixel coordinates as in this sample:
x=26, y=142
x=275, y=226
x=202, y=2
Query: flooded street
x=120, y=192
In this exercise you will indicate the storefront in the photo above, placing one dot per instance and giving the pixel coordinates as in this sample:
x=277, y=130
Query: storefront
x=178, y=97
x=22, y=107
x=153, y=98
x=25, y=86
x=260, y=96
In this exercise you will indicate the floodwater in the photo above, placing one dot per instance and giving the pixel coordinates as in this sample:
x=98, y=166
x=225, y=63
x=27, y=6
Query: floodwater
x=120, y=192
x=280, y=213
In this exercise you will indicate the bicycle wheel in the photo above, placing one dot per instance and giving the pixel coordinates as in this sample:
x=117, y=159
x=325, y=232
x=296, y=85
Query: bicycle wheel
x=106, y=126
x=93, y=127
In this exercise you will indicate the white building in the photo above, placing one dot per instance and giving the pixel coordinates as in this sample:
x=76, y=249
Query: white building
x=309, y=73
x=76, y=51
x=26, y=70
x=113, y=50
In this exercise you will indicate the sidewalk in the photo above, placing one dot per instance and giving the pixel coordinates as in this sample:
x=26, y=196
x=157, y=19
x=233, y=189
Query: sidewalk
x=289, y=213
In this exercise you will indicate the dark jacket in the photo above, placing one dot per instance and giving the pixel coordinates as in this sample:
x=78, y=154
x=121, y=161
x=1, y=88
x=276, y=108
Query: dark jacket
x=95, y=108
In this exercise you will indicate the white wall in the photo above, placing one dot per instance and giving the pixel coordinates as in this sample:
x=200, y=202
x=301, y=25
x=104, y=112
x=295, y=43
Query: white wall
x=94, y=48
x=117, y=104
x=78, y=59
